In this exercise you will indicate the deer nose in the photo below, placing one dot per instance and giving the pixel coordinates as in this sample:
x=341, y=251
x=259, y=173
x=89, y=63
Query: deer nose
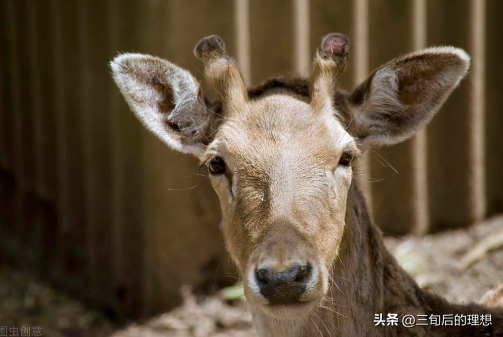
x=283, y=287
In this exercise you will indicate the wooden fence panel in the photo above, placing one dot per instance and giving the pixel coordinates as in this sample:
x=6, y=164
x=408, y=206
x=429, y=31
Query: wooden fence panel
x=34, y=99
x=32, y=210
x=182, y=209
x=7, y=180
x=4, y=93
x=389, y=31
x=127, y=33
x=494, y=102
x=334, y=16
x=448, y=161
x=97, y=136
x=272, y=40
x=72, y=186
x=24, y=120
x=46, y=142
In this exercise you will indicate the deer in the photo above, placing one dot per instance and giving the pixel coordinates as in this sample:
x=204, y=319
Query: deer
x=280, y=157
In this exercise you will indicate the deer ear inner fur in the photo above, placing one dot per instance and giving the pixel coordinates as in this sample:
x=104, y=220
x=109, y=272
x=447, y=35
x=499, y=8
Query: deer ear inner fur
x=403, y=95
x=166, y=99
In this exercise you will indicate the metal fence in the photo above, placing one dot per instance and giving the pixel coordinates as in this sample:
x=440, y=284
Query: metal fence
x=99, y=206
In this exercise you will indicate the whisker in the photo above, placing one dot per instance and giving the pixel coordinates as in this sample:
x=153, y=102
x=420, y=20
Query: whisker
x=321, y=334
x=333, y=281
x=182, y=189
x=388, y=164
x=323, y=324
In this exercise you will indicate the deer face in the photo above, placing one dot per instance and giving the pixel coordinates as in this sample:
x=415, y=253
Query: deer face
x=280, y=162
x=282, y=172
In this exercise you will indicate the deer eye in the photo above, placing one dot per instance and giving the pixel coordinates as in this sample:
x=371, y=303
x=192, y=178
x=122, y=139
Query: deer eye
x=346, y=159
x=216, y=166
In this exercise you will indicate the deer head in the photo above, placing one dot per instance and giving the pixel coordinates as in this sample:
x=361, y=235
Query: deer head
x=280, y=158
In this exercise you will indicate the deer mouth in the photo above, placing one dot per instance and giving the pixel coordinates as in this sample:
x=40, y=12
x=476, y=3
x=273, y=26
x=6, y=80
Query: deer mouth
x=289, y=311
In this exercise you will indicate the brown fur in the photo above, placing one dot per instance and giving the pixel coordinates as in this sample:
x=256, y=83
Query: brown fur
x=370, y=281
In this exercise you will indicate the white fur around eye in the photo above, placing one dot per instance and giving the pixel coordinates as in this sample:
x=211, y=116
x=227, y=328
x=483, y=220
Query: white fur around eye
x=343, y=169
x=342, y=178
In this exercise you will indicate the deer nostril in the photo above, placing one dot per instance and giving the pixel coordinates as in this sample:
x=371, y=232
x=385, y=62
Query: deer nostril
x=262, y=276
x=283, y=286
x=302, y=273
x=298, y=274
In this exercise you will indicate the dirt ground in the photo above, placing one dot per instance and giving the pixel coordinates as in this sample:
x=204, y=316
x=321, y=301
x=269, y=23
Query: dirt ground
x=434, y=260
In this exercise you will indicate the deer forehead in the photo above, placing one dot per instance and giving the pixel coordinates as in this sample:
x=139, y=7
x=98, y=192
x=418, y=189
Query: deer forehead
x=281, y=127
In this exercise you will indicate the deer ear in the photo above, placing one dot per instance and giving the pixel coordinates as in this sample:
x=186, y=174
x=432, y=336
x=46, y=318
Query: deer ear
x=403, y=95
x=166, y=99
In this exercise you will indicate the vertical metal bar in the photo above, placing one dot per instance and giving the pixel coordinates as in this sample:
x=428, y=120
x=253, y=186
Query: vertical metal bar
x=420, y=210
x=476, y=149
x=242, y=24
x=361, y=33
x=35, y=98
x=361, y=72
x=302, y=35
